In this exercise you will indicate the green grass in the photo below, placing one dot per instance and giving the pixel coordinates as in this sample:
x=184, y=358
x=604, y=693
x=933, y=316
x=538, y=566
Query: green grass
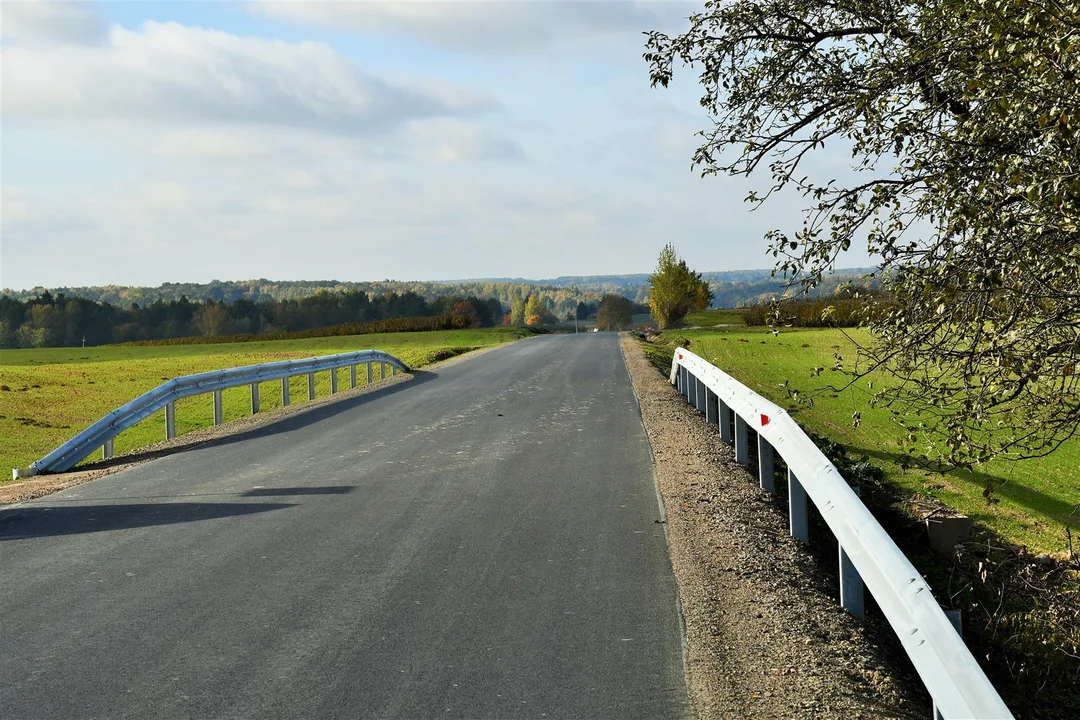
x=1035, y=496
x=56, y=392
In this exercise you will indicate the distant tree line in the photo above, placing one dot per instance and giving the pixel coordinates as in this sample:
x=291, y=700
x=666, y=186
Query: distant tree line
x=559, y=300
x=559, y=295
x=61, y=321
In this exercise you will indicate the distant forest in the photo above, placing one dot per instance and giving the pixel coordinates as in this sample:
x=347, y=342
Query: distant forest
x=52, y=321
x=114, y=314
x=730, y=289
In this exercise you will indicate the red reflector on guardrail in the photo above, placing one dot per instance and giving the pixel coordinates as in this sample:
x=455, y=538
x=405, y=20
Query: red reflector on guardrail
x=764, y=420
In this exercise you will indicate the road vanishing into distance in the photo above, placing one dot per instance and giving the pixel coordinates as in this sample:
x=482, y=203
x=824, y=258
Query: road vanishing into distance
x=479, y=542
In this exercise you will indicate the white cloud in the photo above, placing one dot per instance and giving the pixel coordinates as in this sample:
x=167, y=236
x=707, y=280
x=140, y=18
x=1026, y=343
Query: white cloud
x=171, y=73
x=165, y=196
x=14, y=205
x=491, y=25
x=48, y=22
x=216, y=142
x=453, y=141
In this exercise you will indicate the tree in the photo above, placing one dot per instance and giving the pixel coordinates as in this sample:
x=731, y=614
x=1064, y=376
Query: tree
x=533, y=310
x=961, y=119
x=465, y=309
x=675, y=290
x=517, y=313
x=212, y=318
x=614, y=313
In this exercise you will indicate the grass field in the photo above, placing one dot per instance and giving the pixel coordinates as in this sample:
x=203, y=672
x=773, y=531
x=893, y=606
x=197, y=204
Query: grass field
x=48, y=395
x=1037, y=498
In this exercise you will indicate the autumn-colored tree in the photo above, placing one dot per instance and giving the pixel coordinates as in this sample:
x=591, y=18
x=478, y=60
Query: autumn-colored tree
x=675, y=289
x=533, y=307
x=465, y=309
x=517, y=313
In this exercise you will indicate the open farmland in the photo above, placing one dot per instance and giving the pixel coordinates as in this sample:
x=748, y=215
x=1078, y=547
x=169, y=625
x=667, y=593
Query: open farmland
x=1037, y=498
x=48, y=395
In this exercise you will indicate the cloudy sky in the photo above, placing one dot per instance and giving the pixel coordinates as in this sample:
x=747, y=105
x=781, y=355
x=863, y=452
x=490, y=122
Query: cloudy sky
x=186, y=141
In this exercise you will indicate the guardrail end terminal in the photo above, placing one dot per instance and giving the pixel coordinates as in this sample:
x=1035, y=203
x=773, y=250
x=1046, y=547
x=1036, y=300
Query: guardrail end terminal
x=17, y=473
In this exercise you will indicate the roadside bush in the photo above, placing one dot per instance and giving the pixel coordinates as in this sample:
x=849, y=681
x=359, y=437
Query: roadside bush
x=825, y=312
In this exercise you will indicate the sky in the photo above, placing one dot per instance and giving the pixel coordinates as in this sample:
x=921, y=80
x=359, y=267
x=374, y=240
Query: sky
x=143, y=143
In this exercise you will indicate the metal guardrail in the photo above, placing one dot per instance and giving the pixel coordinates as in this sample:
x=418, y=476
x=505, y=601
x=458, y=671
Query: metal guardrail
x=101, y=433
x=868, y=555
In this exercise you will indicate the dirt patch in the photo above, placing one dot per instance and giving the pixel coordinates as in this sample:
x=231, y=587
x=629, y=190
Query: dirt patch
x=765, y=635
x=42, y=485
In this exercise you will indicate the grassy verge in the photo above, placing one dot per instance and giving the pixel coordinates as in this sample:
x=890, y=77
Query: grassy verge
x=1021, y=609
x=48, y=395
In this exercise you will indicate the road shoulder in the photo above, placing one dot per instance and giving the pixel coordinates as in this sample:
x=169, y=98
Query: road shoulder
x=764, y=638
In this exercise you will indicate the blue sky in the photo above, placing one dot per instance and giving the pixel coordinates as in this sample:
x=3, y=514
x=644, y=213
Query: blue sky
x=186, y=141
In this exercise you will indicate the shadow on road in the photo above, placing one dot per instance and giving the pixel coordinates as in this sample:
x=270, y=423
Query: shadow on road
x=287, y=423
x=34, y=522
x=287, y=491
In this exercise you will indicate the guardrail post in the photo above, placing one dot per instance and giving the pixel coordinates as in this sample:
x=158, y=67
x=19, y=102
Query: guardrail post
x=333, y=381
x=725, y=421
x=712, y=407
x=700, y=396
x=254, y=398
x=740, y=440
x=765, y=464
x=170, y=421
x=107, y=449
x=285, y=392
x=370, y=377
x=851, y=584
x=382, y=371
x=352, y=376
x=218, y=414
x=798, y=520
x=311, y=386
x=954, y=618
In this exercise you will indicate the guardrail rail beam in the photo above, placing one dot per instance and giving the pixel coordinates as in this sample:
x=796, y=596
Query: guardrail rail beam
x=164, y=397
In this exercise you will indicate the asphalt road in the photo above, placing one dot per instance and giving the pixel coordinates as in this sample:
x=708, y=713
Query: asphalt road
x=480, y=542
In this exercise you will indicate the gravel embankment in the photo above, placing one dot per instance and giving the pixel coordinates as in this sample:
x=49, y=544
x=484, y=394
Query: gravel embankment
x=765, y=635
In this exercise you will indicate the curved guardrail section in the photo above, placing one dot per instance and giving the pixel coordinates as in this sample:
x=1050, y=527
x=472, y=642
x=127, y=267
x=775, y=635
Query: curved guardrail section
x=868, y=555
x=101, y=433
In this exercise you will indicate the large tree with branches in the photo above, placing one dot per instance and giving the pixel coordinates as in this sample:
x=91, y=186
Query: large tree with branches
x=961, y=119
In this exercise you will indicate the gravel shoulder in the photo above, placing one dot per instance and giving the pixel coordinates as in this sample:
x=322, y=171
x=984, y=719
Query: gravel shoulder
x=42, y=485
x=765, y=635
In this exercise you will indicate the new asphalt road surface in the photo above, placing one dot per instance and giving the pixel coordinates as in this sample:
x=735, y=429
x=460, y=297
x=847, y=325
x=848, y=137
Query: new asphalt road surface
x=480, y=542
